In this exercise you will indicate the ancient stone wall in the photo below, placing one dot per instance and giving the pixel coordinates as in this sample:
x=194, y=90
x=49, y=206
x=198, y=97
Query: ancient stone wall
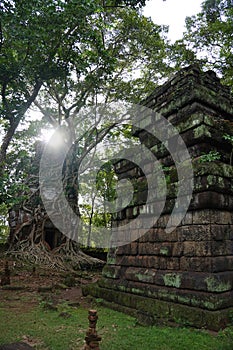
x=185, y=276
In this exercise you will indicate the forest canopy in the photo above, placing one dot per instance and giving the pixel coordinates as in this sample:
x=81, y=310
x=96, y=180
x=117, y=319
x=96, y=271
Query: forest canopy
x=57, y=57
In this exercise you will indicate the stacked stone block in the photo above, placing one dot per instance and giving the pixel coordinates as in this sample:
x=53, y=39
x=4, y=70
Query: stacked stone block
x=186, y=275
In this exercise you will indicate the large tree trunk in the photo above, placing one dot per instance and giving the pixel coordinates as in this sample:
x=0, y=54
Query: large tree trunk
x=34, y=237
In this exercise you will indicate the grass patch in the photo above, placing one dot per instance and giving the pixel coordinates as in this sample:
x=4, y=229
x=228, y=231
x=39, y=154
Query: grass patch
x=49, y=330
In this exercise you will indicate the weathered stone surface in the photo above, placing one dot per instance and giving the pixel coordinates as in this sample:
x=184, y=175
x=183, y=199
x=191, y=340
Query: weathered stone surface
x=173, y=263
x=222, y=263
x=224, y=217
x=131, y=249
x=211, y=200
x=185, y=276
x=163, y=310
x=194, y=233
x=162, y=236
x=111, y=271
x=196, y=264
x=148, y=249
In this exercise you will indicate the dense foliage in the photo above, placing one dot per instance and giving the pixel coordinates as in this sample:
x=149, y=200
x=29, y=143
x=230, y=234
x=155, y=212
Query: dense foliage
x=210, y=36
x=57, y=56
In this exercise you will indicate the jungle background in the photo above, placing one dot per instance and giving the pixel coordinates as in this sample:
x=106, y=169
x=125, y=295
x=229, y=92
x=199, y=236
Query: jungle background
x=56, y=58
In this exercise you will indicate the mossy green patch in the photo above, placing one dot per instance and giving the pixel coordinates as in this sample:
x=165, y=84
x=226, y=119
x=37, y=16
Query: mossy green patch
x=201, y=131
x=145, y=278
x=172, y=280
x=215, y=285
x=165, y=251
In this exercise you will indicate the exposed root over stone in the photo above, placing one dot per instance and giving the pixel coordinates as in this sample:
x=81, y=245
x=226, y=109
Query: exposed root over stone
x=68, y=256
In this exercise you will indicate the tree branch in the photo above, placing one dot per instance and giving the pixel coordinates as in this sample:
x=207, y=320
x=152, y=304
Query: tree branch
x=47, y=115
x=14, y=122
x=1, y=36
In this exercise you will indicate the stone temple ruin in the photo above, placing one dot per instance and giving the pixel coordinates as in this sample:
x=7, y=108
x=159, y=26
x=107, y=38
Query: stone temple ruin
x=185, y=276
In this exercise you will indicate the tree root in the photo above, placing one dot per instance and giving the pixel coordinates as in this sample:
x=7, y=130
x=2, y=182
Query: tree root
x=67, y=257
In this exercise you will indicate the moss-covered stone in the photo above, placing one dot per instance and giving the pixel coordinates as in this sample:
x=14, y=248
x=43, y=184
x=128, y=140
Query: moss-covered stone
x=187, y=316
x=172, y=280
x=193, y=121
x=216, y=285
x=145, y=278
x=212, y=168
x=160, y=311
x=111, y=271
x=201, y=131
x=185, y=279
x=165, y=251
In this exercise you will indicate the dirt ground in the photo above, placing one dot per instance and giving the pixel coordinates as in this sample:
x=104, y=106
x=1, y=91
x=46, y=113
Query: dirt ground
x=36, y=285
x=32, y=283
